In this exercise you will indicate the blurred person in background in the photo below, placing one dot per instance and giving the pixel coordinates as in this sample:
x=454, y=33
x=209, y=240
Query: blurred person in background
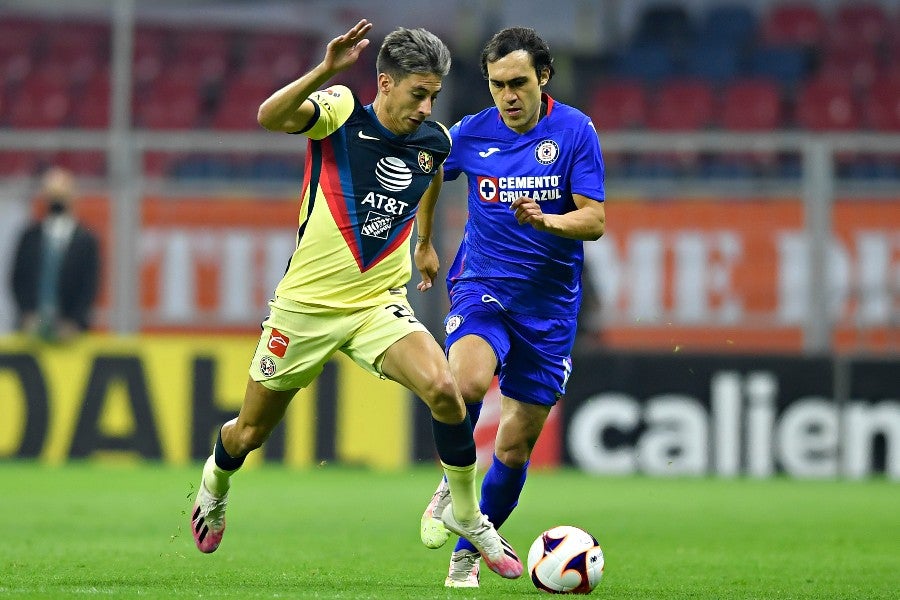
x=535, y=194
x=371, y=170
x=56, y=267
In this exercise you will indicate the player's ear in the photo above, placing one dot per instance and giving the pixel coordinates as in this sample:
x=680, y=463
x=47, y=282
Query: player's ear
x=385, y=83
x=544, y=77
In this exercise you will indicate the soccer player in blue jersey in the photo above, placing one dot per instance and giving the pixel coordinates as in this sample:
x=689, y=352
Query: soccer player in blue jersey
x=371, y=170
x=535, y=194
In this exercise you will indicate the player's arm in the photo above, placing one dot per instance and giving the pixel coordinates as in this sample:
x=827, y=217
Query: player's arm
x=586, y=222
x=288, y=108
x=425, y=255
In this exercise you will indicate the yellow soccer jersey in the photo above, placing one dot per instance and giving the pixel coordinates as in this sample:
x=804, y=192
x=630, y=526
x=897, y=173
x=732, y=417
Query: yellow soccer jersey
x=361, y=190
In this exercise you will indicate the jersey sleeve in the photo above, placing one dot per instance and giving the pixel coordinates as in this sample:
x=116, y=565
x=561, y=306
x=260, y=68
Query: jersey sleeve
x=588, y=172
x=453, y=164
x=333, y=107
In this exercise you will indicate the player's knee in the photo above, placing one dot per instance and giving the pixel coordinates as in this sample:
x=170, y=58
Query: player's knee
x=471, y=390
x=442, y=397
x=250, y=438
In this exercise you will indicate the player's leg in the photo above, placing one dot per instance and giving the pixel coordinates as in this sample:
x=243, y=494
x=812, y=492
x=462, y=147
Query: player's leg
x=261, y=411
x=294, y=345
x=534, y=374
x=472, y=362
x=417, y=362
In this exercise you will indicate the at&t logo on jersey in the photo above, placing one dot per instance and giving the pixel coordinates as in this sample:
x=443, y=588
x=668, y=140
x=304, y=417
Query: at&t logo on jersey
x=546, y=152
x=393, y=174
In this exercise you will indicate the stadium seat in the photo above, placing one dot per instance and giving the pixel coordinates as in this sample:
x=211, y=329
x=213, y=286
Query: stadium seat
x=90, y=163
x=667, y=23
x=239, y=100
x=787, y=64
x=42, y=101
x=649, y=62
x=714, y=61
x=793, y=23
x=172, y=101
x=15, y=163
x=752, y=105
x=827, y=105
x=151, y=45
x=864, y=23
x=91, y=109
x=281, y=57
x=734, y=24
x=77, y=47
x=849, y=61
x=205, y=55
x=881, y=106
x=620, y=104
x=682, y=104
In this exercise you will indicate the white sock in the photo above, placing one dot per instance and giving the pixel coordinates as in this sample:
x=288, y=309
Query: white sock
x=216, y=479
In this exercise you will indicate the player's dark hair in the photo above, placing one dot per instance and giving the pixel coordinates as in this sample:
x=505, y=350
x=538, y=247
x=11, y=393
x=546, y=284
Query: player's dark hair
x=518, y=38
x=407, y=51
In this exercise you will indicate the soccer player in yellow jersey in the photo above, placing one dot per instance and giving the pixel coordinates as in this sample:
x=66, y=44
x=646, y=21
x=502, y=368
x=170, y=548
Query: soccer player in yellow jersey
x=371, y=171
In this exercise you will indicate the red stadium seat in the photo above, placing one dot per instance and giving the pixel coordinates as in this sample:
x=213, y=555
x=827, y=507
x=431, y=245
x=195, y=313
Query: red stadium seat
x=848, y=61
x=172, y=101
x=91, y=163
x=44, y=100
x=239, y=101
x=618, y=104
x=14, y=163
x=827, y=105
x=91, y=108
x=863, y=23
x=281, y=56
x=207, y=54
x=682, y=104
x=881, y=106
x=794, y=23
x=752, y=105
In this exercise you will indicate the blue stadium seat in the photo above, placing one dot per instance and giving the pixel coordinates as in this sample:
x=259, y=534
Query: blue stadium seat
x=786, y=64
x=646, y=62
x=714, y=61
x=735, y=24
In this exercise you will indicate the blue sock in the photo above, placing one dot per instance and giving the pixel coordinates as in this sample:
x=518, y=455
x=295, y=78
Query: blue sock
x=500, y=493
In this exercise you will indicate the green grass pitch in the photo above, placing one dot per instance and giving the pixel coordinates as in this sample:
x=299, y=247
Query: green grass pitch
x=104, y=530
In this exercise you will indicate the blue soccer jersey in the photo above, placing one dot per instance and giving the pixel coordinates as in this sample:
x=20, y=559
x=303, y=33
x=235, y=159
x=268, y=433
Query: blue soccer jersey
x=530, y=272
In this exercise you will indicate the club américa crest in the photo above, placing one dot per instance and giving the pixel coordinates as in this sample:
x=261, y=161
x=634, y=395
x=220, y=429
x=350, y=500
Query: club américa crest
x=426, y=161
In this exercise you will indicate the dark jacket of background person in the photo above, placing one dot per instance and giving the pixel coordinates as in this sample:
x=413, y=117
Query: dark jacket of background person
x=79, y=268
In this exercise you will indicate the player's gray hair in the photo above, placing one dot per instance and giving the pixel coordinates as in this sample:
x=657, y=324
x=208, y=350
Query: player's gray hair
x=407, y=51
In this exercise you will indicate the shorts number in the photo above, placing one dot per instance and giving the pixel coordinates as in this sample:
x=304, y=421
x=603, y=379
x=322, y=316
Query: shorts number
x=402, y=312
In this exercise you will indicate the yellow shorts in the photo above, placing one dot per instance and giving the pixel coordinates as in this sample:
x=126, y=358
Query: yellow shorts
x=297, y=339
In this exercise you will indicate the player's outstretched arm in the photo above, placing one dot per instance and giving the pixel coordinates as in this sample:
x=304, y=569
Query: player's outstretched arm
x=287, y=109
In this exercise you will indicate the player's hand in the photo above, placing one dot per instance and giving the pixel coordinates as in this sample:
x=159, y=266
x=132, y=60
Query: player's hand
x=343, y=51
x=426, y=259
x=528, y=211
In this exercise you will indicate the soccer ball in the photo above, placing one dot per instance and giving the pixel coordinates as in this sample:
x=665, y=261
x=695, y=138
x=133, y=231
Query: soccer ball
x=565, y=560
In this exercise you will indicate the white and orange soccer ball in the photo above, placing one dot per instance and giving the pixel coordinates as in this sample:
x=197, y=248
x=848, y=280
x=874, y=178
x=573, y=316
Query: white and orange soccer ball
x=565, y=560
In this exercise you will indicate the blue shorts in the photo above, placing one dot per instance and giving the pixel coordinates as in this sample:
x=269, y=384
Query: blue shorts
x=533, y=353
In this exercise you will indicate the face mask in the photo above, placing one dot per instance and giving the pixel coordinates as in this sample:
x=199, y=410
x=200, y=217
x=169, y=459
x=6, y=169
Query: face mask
x=56, y=207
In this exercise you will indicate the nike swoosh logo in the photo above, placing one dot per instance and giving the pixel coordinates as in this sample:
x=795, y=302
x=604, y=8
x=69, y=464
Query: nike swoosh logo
x=363, y=136
x=488, y=152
